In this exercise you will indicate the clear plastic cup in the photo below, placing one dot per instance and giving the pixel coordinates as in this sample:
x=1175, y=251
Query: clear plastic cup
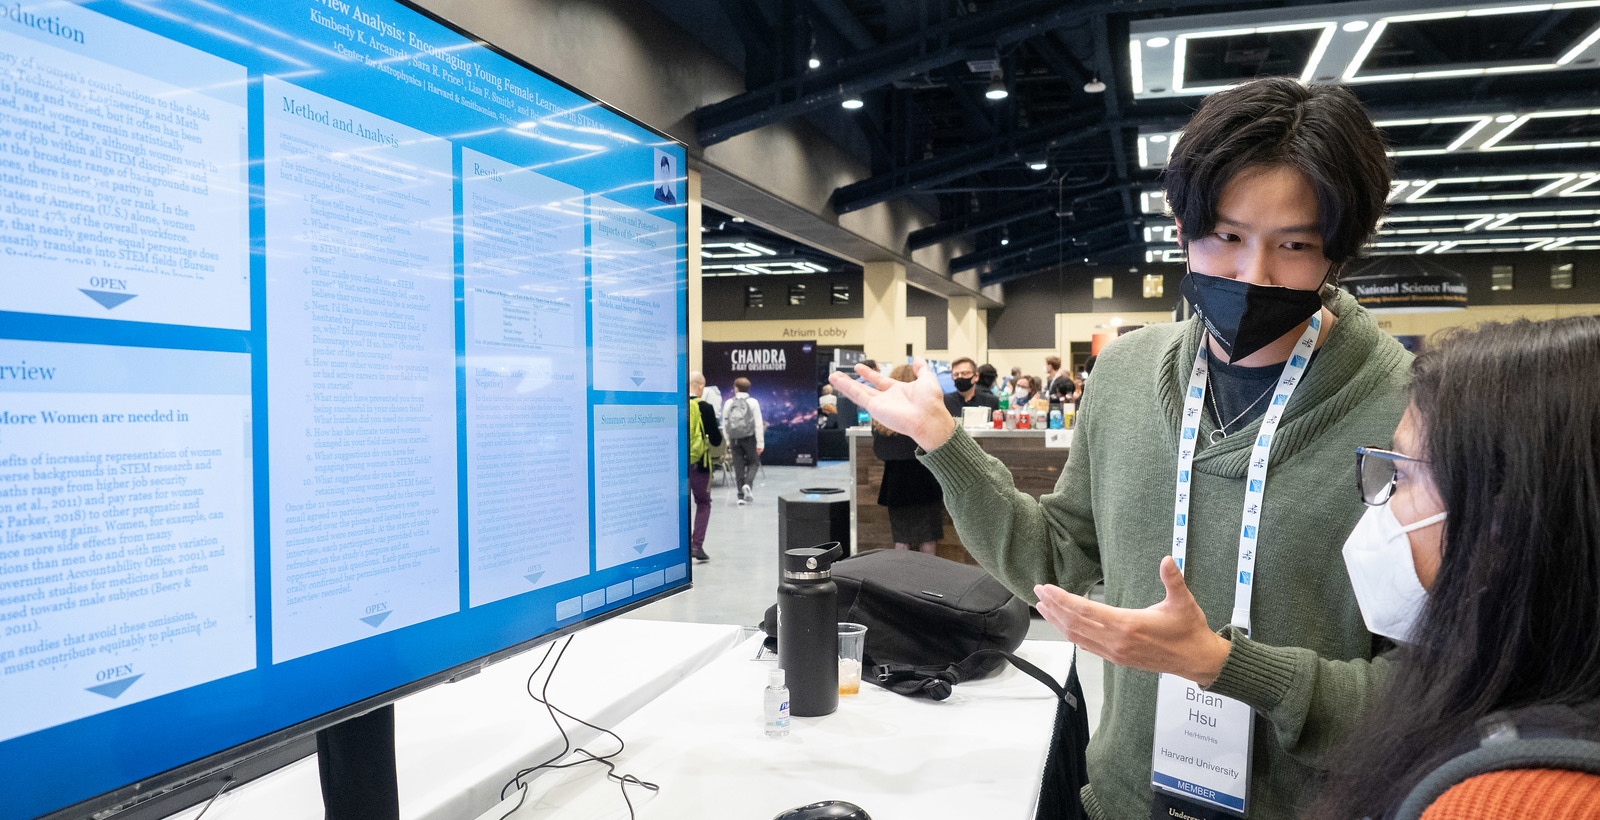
x=852, y=640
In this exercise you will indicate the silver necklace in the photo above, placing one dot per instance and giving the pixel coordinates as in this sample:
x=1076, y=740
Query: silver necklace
x=1221, y=432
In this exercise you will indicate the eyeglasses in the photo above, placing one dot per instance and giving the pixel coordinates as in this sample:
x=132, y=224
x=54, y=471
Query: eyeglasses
x=1375, y=473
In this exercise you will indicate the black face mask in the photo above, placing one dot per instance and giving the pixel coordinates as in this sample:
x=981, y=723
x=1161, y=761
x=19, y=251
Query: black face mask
x=962, y=385
x=1243, y=317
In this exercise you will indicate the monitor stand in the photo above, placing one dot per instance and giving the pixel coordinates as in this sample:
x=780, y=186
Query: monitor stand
x=356, y=761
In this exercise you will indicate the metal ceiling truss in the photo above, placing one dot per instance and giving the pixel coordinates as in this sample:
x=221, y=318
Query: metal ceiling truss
x=930, y=48
x=1008, y=148
x=1019, y=209
x=1002, y=275
x=1043, y=241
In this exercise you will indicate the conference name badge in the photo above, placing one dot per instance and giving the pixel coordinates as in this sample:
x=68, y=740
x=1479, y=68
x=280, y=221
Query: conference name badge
x=1202, y=747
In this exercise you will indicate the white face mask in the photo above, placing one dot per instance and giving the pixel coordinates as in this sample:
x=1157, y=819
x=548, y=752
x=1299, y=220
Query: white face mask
x=1020, y=394
x=1378, y=557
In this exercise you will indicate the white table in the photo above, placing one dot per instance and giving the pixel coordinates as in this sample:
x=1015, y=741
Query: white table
x=458, y=743
x=977, y=754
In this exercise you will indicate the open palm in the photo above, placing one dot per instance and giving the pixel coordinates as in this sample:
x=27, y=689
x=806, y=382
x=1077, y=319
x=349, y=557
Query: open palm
x=913, y=408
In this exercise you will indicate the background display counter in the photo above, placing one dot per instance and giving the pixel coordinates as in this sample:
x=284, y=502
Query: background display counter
x=1034, y=466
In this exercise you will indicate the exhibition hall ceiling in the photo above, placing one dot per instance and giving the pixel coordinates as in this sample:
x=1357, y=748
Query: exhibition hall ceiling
x=732, y=246
x=1036, y=130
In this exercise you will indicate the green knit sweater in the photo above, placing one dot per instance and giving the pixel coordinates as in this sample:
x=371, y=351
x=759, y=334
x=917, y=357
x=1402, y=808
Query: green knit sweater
x=1308, y=668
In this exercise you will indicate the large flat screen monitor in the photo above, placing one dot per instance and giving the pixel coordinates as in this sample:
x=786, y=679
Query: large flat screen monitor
x=339, y=352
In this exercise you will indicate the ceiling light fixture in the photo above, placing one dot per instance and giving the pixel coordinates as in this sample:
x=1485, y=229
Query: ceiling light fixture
x=814, y=63
x=1094, y=86
x=852, y=103
x=1038, y=164
x=997, y=87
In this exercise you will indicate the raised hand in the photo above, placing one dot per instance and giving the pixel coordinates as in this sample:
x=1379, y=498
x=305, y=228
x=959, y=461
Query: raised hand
x=912, y=408
x=1171, y=636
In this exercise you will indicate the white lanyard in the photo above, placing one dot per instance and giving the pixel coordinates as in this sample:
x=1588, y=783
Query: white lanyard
x=1255, y=480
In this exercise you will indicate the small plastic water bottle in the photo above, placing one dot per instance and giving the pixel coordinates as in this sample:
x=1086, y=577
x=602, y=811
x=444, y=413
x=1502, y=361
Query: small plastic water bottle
x=862, y=419
x=775, y=705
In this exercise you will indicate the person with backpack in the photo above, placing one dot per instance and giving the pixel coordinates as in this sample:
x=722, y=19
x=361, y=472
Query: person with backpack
x=741, y=419
x=705, y=437
x=1480, y=554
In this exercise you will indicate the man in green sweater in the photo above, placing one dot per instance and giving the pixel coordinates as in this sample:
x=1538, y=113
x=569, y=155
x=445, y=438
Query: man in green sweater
x=1231, y=420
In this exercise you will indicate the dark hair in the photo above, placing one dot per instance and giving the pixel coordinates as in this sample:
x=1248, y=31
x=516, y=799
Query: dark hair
x=987, y=374
x=741, y=384
x=1053, y=362
x=871, y=363
x=1321, y=131
x=901, y=373
x=966, y=359
x=1088, y=364
x=1509, y=416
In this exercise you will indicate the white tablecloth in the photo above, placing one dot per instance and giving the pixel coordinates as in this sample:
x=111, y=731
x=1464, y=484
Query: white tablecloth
x=458, y=743
x=977, y=754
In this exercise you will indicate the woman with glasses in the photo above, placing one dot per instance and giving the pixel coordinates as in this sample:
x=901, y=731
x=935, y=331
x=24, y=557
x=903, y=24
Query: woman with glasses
x=1480, y=554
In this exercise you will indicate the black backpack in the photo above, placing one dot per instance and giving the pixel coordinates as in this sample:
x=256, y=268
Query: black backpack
x=933, y=623
x=929, y=620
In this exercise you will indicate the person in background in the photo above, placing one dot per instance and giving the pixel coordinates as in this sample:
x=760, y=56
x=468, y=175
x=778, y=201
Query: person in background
x=1010, y=381
x=870, y=364
x=1275, y=186
x=987, y=374
x=964, y=372
x=912, y=494
x=1058, y=384
x=1480, y=553
x=828, y=417
x=703, y=435
x=712, y=395
x=1022, y=391
x=747, y=435
x=827, y=399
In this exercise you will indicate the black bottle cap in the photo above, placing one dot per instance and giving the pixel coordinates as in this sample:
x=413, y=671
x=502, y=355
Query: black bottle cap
x=817, y=559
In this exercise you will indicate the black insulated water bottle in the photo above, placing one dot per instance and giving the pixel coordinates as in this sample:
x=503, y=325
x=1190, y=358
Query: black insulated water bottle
x=808, y=629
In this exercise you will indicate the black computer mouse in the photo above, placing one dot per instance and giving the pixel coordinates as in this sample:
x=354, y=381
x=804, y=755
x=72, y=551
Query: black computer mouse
x=825, y=810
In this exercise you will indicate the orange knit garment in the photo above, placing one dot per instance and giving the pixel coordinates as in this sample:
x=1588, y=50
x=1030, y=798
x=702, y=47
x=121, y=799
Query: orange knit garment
x=1521, y=794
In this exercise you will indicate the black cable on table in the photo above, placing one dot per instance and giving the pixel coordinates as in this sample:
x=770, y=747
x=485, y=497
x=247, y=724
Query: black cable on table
x=543, y=698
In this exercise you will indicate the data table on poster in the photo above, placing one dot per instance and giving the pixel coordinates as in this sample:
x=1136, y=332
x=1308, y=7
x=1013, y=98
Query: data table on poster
x=527, y=429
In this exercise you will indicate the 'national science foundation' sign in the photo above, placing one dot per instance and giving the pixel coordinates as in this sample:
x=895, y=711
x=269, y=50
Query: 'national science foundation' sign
x=1409, y=292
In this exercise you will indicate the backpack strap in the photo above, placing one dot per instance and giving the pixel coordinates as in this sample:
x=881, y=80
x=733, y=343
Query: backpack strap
x=1497, y=753
x=935, y=682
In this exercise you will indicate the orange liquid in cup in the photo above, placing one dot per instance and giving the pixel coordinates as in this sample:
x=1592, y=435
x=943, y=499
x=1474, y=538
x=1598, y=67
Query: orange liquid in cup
x=849, y=676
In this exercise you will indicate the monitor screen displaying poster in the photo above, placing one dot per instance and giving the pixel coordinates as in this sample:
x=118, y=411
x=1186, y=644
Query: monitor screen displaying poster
x=338, y=350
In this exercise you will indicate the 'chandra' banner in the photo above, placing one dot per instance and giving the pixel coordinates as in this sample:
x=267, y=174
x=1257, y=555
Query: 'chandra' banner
x=783, y=380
